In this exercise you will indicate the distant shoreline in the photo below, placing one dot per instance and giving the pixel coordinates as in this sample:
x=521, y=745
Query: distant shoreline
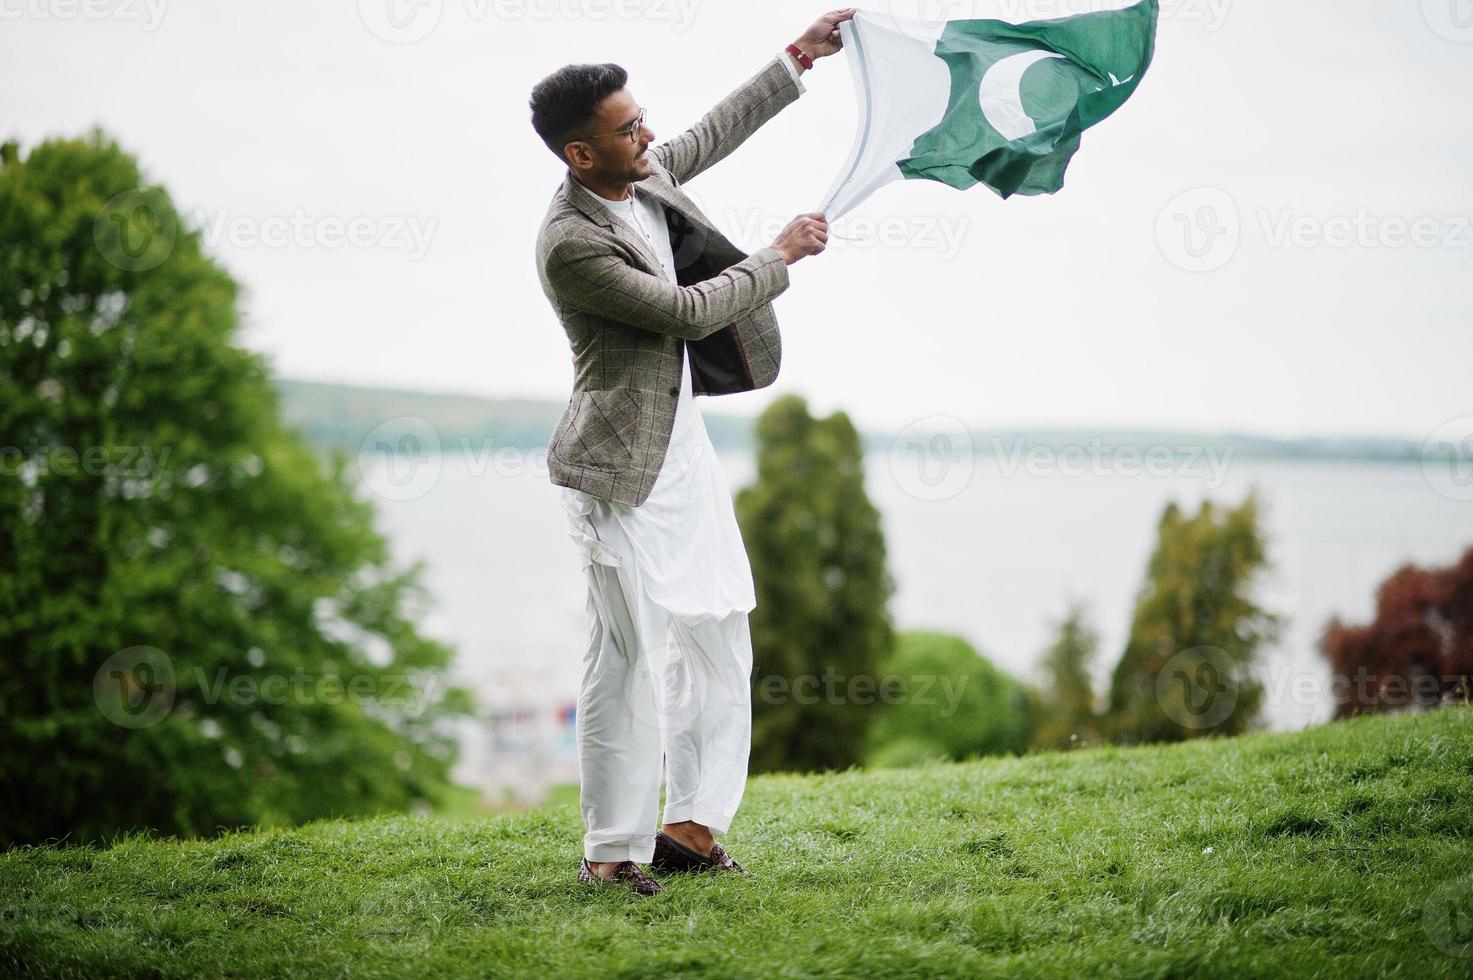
x=341, y=416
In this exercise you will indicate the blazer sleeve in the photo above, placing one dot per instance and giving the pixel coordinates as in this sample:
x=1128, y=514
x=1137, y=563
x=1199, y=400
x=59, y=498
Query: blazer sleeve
x=728, y=125
x=589, y=276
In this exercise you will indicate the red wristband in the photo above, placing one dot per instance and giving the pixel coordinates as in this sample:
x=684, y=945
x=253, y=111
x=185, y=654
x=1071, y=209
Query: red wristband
x=797, y=52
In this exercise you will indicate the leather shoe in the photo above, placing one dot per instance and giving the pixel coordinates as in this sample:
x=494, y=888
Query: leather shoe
x=671, y=856
x=626, y=873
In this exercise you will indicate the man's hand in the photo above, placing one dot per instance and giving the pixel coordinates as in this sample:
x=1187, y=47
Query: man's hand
x=807, y=234
x=823, y=38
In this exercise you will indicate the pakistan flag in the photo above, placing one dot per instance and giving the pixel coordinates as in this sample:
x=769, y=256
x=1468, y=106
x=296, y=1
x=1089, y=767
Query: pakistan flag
x=984, y=101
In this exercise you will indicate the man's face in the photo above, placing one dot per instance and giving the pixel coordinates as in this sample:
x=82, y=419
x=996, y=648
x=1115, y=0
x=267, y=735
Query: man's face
x=614, y=159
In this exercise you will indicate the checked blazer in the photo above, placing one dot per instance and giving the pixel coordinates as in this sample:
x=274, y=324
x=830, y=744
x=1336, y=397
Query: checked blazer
x=628, y=325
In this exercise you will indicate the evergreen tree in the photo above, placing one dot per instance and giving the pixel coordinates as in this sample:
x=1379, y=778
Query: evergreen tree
x=199, y=625
x=1067, y=701
x=1187, y=669
x=818, y=561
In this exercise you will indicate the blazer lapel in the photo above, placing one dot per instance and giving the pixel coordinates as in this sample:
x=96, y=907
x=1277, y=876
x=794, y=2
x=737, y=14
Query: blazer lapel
x=582, y=199
x=673, y=199
x=676, y=200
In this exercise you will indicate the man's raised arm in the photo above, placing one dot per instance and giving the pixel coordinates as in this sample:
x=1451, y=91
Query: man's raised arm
x=588, y=276
x=757, y=100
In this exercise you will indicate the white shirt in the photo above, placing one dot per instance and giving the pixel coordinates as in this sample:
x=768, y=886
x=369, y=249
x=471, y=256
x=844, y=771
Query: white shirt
x=685, y=537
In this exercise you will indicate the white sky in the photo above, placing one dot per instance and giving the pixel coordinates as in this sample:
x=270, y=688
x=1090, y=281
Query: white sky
x=1044, y=311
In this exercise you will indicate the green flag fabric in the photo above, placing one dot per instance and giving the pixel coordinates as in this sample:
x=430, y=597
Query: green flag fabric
x=985, y=101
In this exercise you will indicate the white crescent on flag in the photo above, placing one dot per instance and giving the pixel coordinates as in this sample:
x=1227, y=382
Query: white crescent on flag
x=1001, y=94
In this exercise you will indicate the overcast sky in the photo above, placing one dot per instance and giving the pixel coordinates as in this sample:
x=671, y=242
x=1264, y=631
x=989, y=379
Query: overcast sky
x=1324, y=144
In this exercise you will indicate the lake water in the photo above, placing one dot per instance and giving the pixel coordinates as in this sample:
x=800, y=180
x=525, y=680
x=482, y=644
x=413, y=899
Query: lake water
x=994, y=561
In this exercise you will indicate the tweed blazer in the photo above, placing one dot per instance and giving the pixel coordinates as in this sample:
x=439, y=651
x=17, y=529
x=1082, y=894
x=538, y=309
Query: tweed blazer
x=629, y=325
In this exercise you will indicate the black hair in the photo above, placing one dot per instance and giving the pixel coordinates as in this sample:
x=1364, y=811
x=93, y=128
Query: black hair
x=565, y=102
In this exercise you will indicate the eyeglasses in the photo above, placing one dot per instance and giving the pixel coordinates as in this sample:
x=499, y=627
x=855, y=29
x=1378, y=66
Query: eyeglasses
x=632, y=131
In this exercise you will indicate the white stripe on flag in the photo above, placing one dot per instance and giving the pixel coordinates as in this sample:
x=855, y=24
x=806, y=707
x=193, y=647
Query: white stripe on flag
x=902, y=90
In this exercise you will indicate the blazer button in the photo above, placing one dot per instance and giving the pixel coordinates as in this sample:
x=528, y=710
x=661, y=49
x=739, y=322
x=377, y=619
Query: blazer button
x=674, y=392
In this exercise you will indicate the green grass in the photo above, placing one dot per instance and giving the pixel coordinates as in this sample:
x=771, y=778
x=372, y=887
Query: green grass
x=1312, y=853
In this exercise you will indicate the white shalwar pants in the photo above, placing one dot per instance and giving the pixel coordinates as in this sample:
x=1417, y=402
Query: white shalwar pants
x=667, y=670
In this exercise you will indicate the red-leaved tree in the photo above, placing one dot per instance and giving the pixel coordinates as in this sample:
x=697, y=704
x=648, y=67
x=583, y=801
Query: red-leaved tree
x=1418, y=652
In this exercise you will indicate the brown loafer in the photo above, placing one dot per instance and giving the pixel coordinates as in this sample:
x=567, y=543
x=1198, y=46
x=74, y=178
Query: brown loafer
x=626, y=873
x=673, y=856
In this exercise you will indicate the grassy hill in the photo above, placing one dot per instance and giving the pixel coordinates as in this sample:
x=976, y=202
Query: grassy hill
x=1344, y=850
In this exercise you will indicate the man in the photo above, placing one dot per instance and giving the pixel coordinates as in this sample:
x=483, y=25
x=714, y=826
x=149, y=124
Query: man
x=658, y=307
